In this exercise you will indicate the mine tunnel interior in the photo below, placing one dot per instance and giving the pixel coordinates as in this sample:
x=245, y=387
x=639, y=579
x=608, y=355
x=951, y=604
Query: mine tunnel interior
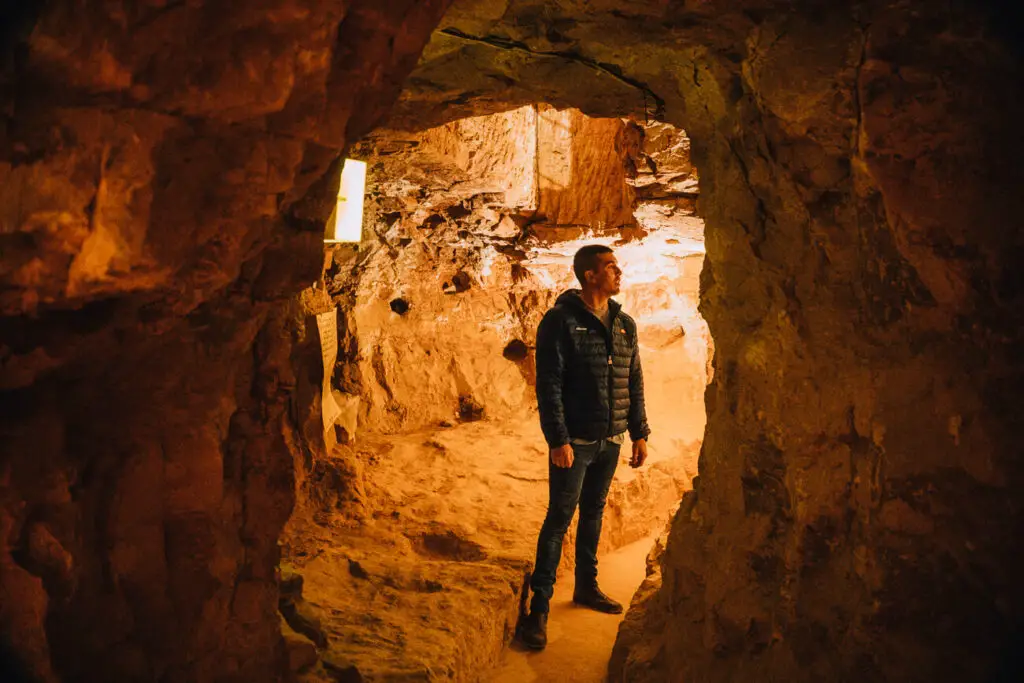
x=169, y=492
x=468, y=232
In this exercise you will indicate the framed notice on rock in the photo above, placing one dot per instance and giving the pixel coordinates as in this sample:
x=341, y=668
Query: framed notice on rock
x=327, y=323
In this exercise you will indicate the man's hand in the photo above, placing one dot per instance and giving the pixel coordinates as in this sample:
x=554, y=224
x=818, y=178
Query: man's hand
x=639, y=453
x=562, y=456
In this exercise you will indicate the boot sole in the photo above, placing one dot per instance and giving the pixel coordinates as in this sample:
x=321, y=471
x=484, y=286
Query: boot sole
x=535, y=647
x=598, y=609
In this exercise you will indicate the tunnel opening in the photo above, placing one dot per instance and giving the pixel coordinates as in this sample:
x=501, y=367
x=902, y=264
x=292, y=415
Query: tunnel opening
x=166, y=176
x=469, y=234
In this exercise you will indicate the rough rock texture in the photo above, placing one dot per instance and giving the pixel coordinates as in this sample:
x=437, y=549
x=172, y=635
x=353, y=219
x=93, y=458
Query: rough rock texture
x=546, y=167
x=581, y=176
x=856, y=515
x=665, y=179
x=453, y=268
x=164, y=181
x=416, y=534
x=418, y=566
x=162, y=169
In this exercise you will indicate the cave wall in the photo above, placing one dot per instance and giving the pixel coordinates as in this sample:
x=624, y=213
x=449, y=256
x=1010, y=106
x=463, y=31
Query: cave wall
x=165, y=171
x=547, y=167
x=859, y=515
x=165, y=178
x=415, y=535
x=665, y=180
x=856, y=514
x=442, y=359
x=583, y=165
x=468, y=238
x=443, y=282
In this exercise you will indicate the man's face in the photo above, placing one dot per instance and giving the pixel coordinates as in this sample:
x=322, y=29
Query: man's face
x=607, y=277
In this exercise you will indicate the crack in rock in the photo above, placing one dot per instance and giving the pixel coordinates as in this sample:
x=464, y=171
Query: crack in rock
x=612, y=70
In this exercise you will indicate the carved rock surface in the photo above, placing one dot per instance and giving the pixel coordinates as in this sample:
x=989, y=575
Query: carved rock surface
x=421, y=573
x=855, y=511
x=417, y=564
x=165, y=173
x=162, y=174
x=456, y=231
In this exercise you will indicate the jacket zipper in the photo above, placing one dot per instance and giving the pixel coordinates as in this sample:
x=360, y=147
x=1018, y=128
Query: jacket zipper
x=610, y=337
x=609, y=346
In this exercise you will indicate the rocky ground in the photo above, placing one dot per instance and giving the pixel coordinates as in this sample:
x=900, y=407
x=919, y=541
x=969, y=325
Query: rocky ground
x=579, y=640
x=414, y=537
x=418, y=573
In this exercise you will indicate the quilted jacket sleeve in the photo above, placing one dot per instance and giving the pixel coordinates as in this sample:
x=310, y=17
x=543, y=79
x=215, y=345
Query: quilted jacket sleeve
x=550, y=374
x=638, y=427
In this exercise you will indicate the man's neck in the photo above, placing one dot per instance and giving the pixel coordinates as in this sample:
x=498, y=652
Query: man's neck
x=595, y=301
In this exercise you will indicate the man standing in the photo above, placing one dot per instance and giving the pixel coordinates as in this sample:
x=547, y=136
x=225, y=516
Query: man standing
x=590, y=390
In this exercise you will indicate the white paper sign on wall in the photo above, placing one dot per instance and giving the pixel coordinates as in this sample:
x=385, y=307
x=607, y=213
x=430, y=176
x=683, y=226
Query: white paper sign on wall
x=327, y=323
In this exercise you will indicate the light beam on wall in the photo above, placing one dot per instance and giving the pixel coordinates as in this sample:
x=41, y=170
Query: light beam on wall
x=346, y=222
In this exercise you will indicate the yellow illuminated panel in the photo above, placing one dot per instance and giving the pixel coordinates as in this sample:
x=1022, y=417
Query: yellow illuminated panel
x=346, y=222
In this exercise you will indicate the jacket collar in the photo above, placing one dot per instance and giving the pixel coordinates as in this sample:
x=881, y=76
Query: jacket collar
x=571, y=297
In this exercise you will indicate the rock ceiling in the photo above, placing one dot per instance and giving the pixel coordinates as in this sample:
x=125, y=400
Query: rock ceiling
x=165, y=174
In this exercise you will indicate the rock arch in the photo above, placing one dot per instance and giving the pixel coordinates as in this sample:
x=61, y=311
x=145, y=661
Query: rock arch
x=164, y=176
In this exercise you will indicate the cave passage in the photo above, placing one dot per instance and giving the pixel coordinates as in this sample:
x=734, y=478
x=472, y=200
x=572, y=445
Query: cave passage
x=469, y=236
x=169, y=491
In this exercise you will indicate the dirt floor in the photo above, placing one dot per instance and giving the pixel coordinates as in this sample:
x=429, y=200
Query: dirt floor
x=579, y=640
x=415, y=575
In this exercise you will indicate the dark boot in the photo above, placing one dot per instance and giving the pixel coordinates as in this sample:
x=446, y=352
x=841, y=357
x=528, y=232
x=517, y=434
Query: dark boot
x=591, y=597
x=533, y=632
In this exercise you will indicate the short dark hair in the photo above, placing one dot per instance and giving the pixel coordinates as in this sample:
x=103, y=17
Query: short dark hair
x=586, y=259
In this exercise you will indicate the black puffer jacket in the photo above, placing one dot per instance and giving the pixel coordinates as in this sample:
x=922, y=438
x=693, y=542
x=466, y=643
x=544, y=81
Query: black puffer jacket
x=589, y=382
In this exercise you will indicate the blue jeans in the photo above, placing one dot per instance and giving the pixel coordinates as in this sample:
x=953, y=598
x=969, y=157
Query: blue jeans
x=585, y=484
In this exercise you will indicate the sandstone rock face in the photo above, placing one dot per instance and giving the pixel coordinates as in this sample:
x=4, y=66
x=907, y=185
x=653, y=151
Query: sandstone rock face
x=165, y=172
x=161, y=171
x=855, y=512
x=548, y=167
x=666, y=181
x=581, y=176
x=416, y=535
x=419, y=570
x=453, y=268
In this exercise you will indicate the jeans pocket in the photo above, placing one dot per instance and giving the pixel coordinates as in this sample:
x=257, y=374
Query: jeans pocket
x=612, y=449
x=585, y=452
